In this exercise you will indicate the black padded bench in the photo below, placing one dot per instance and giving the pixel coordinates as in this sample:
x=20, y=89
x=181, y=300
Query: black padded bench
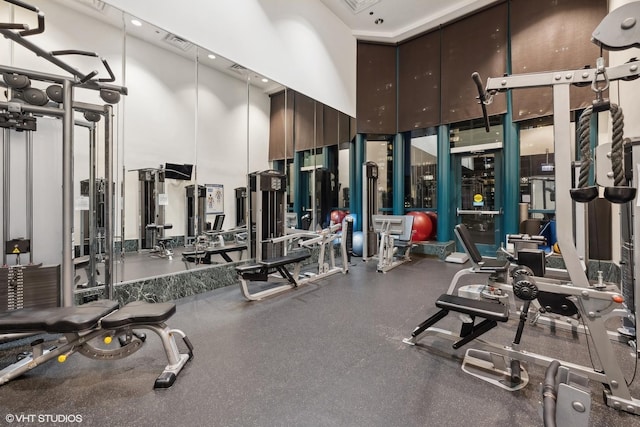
x=491, y=311
x=204, y=256
x=58, y=319
x=139, y=313
x=259, y=272
x=86, y=325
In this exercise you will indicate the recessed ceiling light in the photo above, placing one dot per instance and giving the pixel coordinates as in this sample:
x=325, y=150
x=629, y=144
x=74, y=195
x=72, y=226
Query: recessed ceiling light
x=378, y=21
x=265, y=80
x=136, y=23
x=211, y=56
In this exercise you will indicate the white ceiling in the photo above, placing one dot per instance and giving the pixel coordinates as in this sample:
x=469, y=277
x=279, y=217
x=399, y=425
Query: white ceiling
x=163, y=39
x=401, y=19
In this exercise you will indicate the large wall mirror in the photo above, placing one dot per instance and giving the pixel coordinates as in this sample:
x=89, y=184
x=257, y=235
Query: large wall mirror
x=192, y=128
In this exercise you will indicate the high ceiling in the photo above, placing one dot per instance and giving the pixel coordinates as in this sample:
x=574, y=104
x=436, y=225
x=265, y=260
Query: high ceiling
x=395, y=20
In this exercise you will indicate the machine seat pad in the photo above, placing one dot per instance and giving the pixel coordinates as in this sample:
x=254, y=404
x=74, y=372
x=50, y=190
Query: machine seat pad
x=482, y=308
x=284, y=260
x=56, y=319
x=139, y=313
x=248, y=268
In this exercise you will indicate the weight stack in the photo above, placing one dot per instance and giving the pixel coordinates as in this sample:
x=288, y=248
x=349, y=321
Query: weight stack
x=626, y=278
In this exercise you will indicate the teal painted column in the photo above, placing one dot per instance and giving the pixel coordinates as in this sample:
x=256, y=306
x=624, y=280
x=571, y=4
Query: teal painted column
x=355, y=180
x=511, y=149
x=398, y=174
x=446, y=213
x=511, y=153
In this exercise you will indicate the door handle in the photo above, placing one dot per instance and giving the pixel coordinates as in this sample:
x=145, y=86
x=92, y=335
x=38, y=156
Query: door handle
x=474, y=212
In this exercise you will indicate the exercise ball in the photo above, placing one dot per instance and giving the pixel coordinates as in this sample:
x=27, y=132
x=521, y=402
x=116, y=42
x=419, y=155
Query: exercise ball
x=337, y=216
x=422, y=227
x=434, y=224
x=358, y=240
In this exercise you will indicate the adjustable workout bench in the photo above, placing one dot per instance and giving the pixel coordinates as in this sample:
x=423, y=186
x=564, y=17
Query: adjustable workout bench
x=259, y=274
x=494, y=267
x=87, y=326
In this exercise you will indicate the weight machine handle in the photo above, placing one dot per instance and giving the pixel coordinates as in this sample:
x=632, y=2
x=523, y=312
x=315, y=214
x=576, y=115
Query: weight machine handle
x=26, y=31
x=482, y=96
x=89, y=76
x=549, y=395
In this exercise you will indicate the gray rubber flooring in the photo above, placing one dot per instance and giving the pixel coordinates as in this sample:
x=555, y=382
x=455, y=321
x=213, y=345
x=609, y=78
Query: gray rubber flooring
x=325, y=354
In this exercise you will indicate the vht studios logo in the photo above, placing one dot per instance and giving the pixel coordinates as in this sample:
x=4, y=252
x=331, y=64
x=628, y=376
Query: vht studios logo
x=43, y=418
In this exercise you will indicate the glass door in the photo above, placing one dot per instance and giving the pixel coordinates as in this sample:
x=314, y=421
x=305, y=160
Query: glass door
x=478, y=177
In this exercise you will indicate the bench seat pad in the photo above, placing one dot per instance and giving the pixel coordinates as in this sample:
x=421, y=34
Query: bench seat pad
x=139, y=313
x=57, y=319
x=482, y=308
x=284, y=260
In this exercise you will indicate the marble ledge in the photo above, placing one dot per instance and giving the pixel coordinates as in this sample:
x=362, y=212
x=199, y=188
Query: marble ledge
x=167, y=287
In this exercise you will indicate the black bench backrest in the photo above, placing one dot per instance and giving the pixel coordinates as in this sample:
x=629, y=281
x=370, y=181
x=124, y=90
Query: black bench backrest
x=465, y=238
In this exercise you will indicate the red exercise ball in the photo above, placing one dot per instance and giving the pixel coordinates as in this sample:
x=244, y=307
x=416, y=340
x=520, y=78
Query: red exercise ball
x=422, y=227
x=434, y=224
x=337, y=216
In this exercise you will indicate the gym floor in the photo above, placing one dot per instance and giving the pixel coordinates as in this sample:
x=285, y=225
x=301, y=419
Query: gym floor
x=325, y=354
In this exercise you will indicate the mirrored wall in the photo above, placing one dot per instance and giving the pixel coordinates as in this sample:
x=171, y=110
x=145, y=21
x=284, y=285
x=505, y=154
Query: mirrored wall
x=192, y=128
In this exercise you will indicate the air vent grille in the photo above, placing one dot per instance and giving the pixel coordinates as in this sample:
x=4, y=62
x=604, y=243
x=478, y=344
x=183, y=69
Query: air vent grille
x=358, y=6
x=238, y=68
x=177, y=42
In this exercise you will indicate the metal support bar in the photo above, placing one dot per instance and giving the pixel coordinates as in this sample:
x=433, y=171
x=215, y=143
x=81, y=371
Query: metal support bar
x=552, y=78
x=29, y=199
x=474, y=212
x=109, y=220
x=67, y=268
x=6, y=191
x=53, y=78
x=92, y=208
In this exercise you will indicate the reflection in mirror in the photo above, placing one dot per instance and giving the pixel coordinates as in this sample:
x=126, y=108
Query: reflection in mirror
x=381, y=153
x=192, y=128
x=424, y=157
x=537, y=166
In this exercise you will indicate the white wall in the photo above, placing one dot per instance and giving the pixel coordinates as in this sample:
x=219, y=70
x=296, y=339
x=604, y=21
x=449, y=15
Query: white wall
x=175, y=112
x=299, y=44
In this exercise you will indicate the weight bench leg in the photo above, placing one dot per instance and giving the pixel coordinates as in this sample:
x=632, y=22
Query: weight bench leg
x=422, y=327
x=475, y=332
x=292, y=278
x=176, y=359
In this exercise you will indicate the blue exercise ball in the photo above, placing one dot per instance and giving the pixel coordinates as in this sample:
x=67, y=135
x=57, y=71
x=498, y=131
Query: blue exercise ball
x=358, y=240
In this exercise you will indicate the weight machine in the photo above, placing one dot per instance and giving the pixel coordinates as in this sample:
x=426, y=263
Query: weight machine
x=25, y=103
x=267, y=202
x=593, y=302
x=369, y=208
x=394, y=234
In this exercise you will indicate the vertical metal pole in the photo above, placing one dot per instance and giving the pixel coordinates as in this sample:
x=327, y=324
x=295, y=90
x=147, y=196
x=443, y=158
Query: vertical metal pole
x=6, y=191
x=108, y=201
x=92, y=206
x=196, y=188
x=67, y=270
x=29, y=198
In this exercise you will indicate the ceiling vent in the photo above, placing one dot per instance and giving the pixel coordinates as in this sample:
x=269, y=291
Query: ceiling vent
x=358, y=6
x=238, y=68
x=177, y=42
x=94, y=4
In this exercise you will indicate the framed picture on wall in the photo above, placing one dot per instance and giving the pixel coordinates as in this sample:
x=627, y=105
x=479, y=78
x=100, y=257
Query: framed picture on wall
x=215, y=198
